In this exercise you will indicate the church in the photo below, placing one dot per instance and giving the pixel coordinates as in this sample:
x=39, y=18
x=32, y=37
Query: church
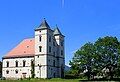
x=39, y=57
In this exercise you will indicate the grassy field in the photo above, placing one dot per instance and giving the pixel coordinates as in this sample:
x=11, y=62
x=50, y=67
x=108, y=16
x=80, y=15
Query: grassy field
x=52, y=80
x=42, y=80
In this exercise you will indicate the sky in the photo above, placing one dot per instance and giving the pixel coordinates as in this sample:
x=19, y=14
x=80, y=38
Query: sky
x=80, y=21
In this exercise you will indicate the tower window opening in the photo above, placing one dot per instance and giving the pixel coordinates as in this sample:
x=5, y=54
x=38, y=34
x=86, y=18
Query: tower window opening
x=54, y=54
x=49, y=38
x=40, y=38
x=40, y=48
x=61, y=52
x=62, y=43
x=49, y=48
x=54, y=63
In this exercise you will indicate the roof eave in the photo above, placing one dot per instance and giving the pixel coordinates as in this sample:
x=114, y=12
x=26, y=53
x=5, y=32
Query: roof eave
x=25, y=56
x=59, y=34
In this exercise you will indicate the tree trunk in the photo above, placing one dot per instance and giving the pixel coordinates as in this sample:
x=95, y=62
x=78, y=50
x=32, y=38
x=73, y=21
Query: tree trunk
x=111, y=73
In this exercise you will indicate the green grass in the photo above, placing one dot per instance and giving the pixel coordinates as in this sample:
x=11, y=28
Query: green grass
x=43, y=80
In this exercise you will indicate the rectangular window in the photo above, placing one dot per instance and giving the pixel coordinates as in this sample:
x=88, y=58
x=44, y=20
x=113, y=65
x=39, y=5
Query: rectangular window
x=62, y=43
x=61, y=52
x=53, y=63
x=7, y=64
x=49, y=38
x=49, y=48
x=54, y=54
x=24, y=63
x=40, y=38
x=16, y=63
x=38, y=56
x=40, y=48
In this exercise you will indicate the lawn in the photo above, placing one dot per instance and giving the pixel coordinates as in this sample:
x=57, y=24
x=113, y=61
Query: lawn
x=43, y=80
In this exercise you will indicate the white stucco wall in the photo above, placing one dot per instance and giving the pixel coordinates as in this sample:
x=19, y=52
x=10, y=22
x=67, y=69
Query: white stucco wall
x=20, y=68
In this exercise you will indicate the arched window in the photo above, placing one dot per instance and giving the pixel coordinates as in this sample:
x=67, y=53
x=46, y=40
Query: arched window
x=16, y=71
x=40, y=48
x=7, y=72
x=32, y=62
x=16, y=63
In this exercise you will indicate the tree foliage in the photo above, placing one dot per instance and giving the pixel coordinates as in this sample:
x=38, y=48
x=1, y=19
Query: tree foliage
x=101, y=58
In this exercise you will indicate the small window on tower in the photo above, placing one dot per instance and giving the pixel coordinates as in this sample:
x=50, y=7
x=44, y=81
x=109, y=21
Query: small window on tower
x=54, y=63
x=61, y=52
x=62, y=43
x=54, y=54
x=49, y=48
x=49, y=38
x=40, y=48
x=40, y=38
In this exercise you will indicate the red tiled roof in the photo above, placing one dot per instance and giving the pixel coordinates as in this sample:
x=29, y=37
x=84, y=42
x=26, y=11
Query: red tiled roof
x=25, y=48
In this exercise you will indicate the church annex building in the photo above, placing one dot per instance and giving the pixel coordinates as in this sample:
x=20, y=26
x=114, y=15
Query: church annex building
x=42, y=56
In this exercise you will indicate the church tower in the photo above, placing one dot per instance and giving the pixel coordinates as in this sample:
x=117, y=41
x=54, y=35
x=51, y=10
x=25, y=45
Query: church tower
x=61, y=52
x=49, y=52
x=41, y=49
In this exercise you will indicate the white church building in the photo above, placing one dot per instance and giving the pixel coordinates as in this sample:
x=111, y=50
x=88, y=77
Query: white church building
x=42, y=56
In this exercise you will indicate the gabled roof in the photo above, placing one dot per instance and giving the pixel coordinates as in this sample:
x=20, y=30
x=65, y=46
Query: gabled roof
x=43, y=25
x=25, y=48
x=57, y=31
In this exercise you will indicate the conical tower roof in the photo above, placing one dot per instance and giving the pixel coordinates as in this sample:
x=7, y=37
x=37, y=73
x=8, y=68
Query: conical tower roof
x=57, y=31
x=43, y=25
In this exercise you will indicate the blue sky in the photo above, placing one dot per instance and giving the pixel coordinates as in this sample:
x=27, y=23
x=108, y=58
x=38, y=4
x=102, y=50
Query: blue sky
x=80, y=21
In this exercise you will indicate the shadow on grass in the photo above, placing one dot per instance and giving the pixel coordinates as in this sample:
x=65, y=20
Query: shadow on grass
x=102, y=79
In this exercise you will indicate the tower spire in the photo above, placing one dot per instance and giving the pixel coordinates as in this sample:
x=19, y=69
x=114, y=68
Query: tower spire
x=57, y=31
x=43, y=25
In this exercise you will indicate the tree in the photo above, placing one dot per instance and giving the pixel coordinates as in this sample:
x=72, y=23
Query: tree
x=108, y=50
x=83, y=60
x=32, y=69
x=101, y=58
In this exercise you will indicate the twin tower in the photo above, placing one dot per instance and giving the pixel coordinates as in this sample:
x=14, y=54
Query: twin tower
x=49, y=52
